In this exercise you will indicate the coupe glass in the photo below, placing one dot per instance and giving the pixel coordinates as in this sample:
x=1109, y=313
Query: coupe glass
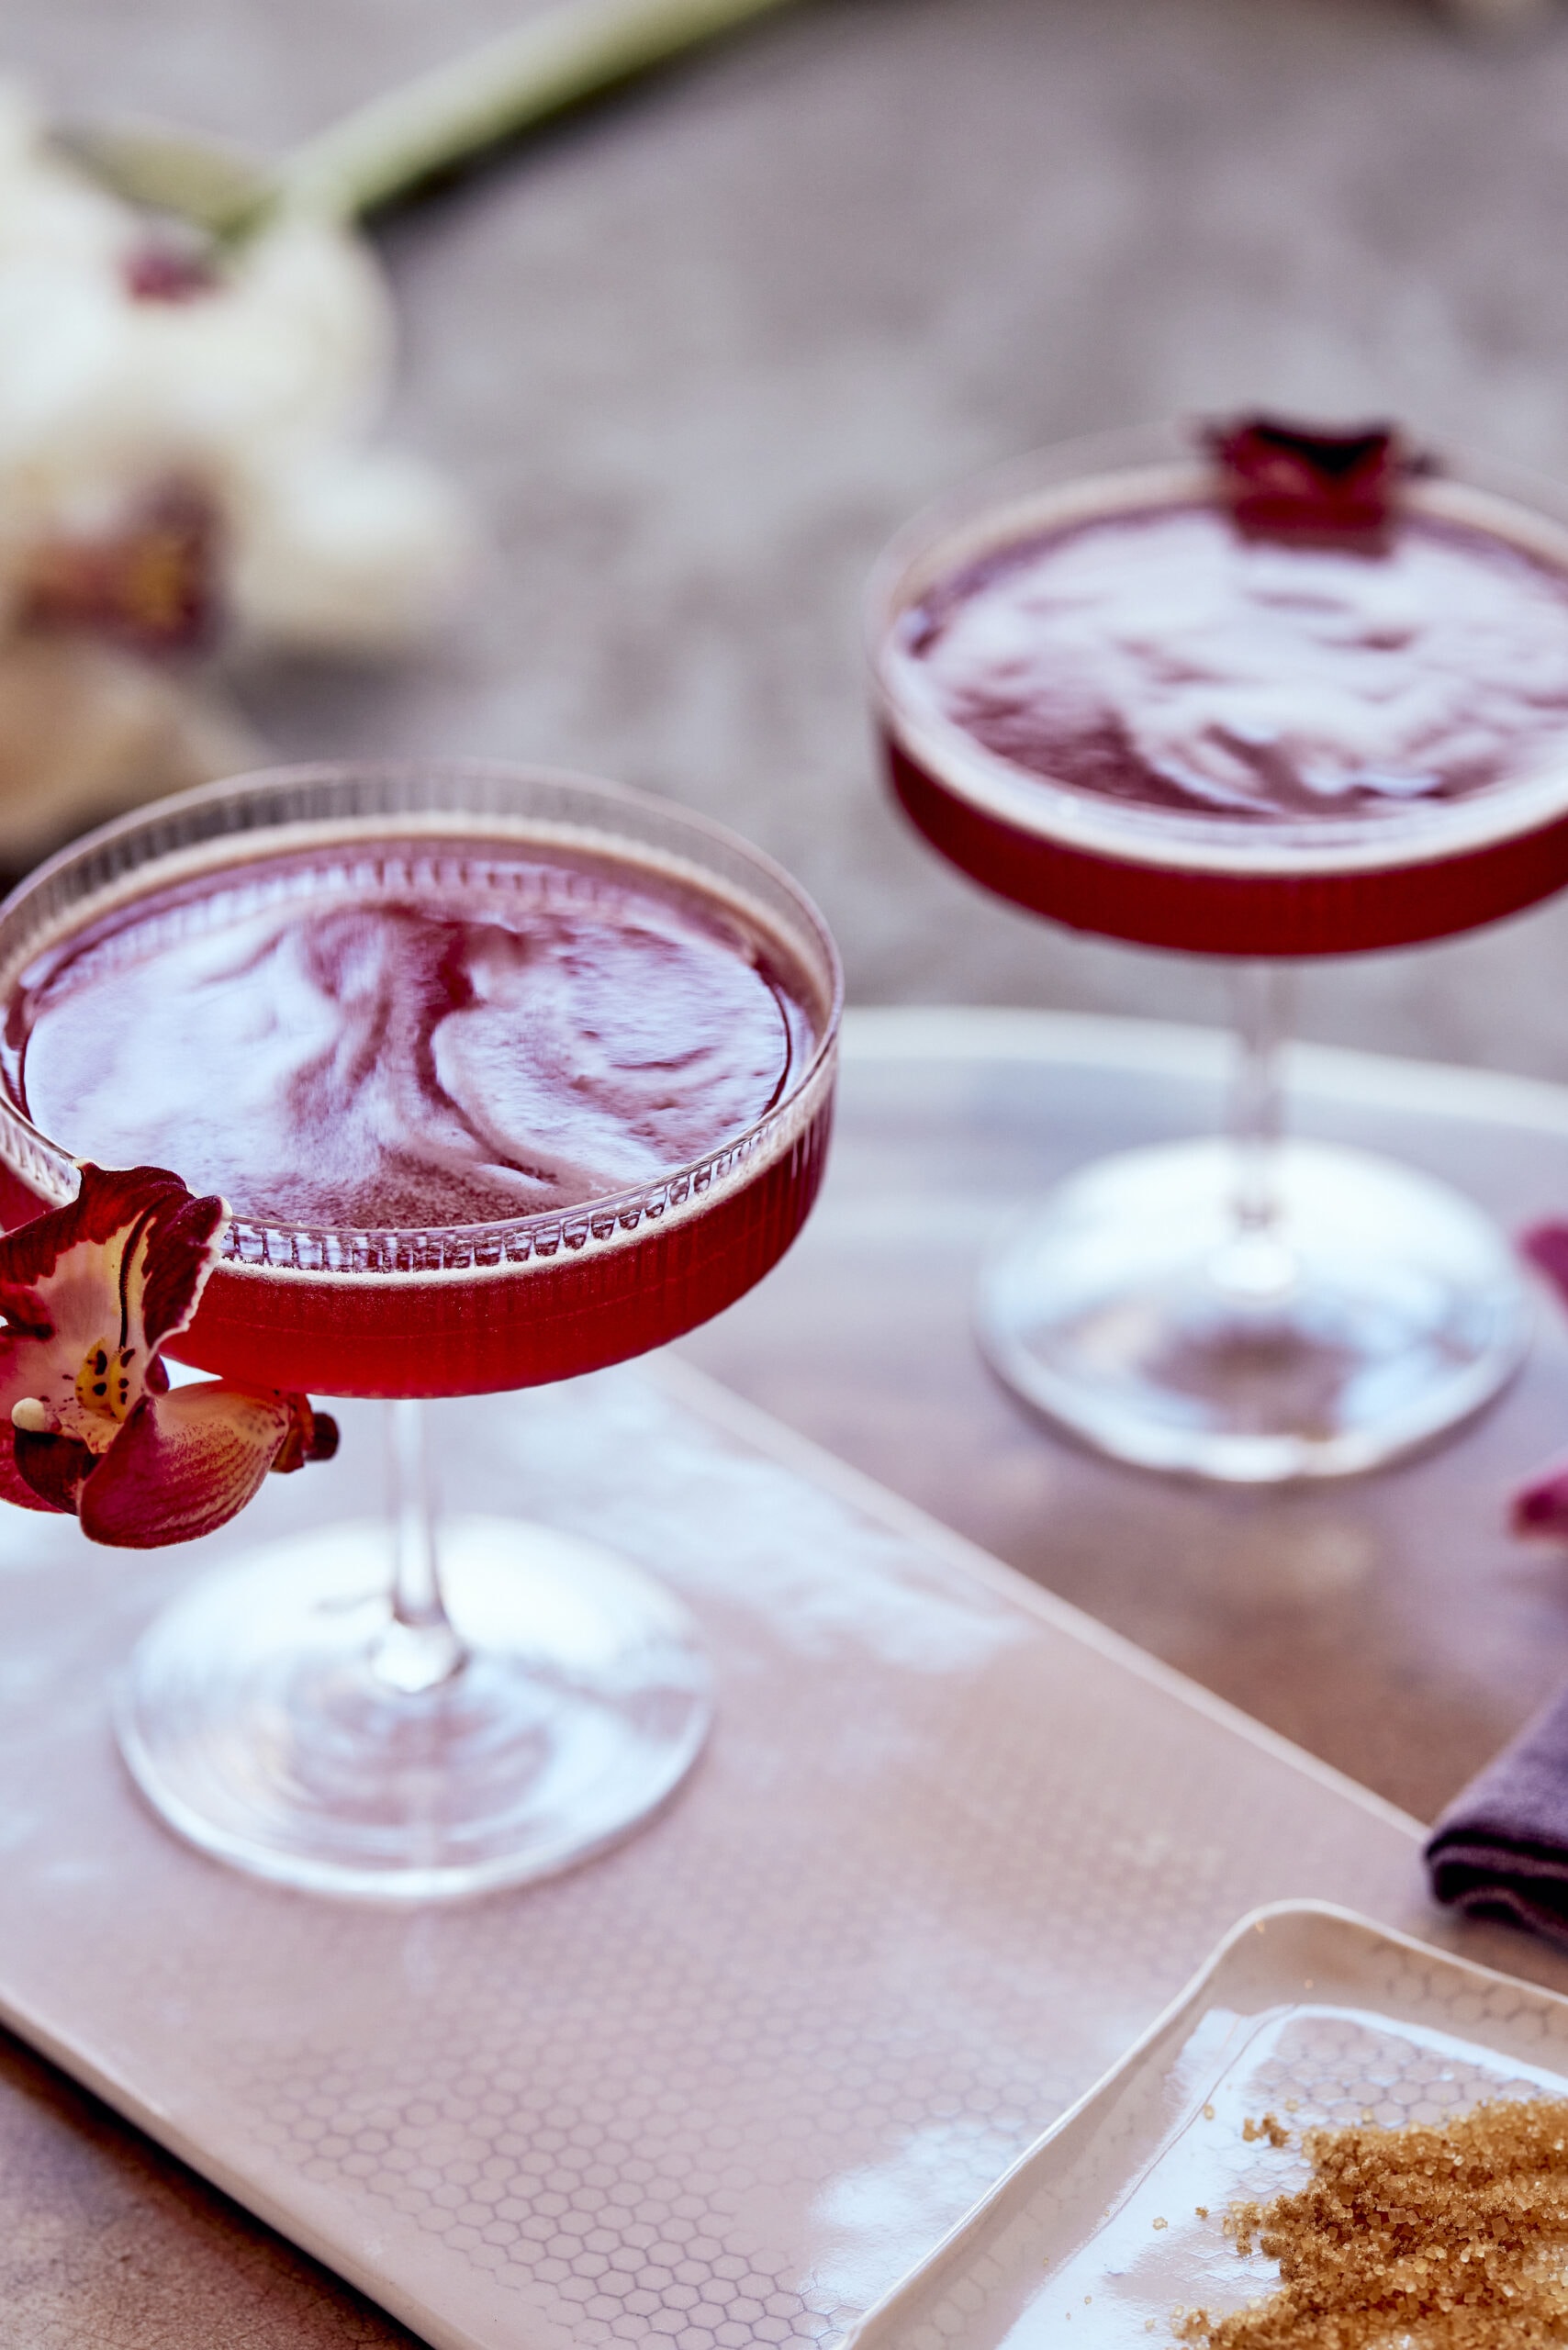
x=402, y=1710
x=1257, y=1309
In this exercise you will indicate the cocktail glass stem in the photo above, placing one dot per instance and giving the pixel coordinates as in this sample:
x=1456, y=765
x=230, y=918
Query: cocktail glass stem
x=419, y=1650
x=1257, y=1262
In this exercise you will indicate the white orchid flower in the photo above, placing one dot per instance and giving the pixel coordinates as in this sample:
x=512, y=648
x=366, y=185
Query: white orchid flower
x=245, y=382
x=194, y=354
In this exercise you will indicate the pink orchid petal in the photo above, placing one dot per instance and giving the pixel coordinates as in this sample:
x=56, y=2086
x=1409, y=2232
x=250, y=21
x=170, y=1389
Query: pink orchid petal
x=185, y=1463
x=123, y=1267
x=110, y=1201
x=89, y=1293
x=53, y=1468
x=173, y=1266
x=1546, y=1245
x=15, y=1488
x=1543, y=1508
x=25, y=1311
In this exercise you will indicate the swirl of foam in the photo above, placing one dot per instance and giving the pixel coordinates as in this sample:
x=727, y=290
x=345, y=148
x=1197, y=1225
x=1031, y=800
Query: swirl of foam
x=1165, y=658
x=413, y=1056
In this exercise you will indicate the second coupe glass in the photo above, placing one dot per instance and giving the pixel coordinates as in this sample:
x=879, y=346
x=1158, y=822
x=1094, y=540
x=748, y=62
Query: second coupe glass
x=1109, y=698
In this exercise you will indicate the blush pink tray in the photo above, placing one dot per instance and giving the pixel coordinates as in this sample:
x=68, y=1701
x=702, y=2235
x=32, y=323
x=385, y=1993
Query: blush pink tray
x=950, y=1851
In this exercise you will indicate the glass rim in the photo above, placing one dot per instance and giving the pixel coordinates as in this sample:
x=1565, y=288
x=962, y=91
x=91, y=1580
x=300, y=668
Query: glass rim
x=502, y=1245
x=1166, y=462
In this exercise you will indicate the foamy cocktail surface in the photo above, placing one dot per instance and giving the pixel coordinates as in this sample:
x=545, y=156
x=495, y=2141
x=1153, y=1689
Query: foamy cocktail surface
x=1165, y=658
x=410, y=1034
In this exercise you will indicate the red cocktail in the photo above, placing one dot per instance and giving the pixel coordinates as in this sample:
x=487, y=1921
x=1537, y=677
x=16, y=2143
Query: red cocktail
x=504, y=1076
x=1124, y=689
x=487, y=1112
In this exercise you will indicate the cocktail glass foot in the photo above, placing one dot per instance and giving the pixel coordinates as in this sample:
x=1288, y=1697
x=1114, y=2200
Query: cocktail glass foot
x=285, y=1717
x=1366, y=1312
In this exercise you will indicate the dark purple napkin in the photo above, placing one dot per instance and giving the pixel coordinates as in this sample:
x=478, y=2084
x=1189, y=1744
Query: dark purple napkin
x=1501, y=1848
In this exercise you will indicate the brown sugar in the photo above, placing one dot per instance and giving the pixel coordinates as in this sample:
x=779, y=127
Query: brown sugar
x=1271, y=2126
x=1449, y=2236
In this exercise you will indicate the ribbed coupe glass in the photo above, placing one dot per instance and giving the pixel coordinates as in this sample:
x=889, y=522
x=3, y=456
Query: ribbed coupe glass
x=412, y=1711
x=1198, y=737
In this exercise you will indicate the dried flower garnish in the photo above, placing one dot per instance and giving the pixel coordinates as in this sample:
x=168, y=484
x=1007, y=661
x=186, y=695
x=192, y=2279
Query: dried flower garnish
x=1289, y=481
x=89, y=1294
x=1541, y=1508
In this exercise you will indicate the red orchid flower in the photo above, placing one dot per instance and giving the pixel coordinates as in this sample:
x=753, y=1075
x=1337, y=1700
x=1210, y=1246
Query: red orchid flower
x=1543, y=1508
x=89, y=1294
x=1290, y=481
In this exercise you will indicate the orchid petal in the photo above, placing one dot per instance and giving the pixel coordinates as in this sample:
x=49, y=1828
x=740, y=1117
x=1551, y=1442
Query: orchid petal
x=110, y=1276
x=1546, y=1245
x=186, y=1463
x=89, y=1293
x=15, y=1488
x=53, y=1468
x=1543, y=1508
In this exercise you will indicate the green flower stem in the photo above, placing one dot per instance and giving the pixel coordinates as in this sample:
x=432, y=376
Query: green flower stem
x=569, y=53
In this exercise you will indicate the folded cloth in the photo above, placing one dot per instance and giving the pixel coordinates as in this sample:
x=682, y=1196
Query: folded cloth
x=1501, y=1848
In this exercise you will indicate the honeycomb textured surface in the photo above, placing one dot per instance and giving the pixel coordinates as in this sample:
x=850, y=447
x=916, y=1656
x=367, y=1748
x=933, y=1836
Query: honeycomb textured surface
x=949, y=1850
